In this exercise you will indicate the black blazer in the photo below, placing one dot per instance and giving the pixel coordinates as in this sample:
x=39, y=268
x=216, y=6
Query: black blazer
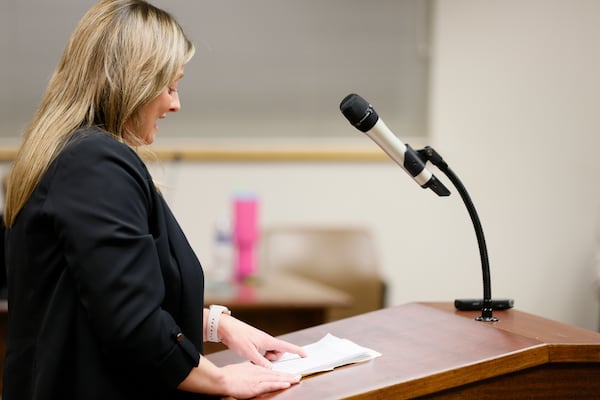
x=105, y=293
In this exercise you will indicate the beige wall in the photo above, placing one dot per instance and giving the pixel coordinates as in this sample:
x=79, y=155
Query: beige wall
x=515, y=100
x=515, y=96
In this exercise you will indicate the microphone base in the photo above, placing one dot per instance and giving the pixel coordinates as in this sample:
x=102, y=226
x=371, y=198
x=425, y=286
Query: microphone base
x=483, y=318
x=486, y=306
x=478, y=304
x=487, y=312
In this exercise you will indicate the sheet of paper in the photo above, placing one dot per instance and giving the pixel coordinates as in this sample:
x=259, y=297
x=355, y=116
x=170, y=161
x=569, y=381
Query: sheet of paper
x=324, y=355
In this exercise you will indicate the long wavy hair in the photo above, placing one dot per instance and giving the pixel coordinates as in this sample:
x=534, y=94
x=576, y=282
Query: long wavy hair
x=121, y=56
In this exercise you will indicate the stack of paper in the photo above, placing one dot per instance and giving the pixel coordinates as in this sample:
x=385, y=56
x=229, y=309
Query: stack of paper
x=324, y=355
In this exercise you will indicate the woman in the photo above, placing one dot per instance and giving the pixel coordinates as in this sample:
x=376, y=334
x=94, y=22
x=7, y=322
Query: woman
x=105, y=293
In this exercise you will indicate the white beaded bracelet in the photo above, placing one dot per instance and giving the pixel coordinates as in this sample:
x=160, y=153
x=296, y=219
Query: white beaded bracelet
x=214, y=315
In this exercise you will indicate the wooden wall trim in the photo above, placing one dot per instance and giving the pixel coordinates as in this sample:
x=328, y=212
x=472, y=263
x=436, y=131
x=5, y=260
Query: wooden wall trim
x=242, y=154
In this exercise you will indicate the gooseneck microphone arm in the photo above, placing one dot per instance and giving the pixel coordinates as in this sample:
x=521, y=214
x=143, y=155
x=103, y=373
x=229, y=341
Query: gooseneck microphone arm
x=429, y=154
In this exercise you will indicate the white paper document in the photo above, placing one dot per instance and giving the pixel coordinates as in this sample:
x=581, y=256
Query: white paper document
x=324, y=355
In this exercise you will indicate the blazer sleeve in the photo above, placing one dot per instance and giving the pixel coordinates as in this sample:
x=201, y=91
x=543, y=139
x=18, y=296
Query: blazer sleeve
x=101, y=197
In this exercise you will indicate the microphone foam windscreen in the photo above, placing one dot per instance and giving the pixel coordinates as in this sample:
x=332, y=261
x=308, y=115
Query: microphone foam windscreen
x=359, y=112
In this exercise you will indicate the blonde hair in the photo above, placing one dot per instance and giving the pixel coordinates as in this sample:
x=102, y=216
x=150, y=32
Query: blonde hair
x=121, y=56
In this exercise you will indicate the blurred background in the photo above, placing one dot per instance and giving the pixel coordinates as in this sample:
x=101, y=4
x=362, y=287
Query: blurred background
x=507, y=91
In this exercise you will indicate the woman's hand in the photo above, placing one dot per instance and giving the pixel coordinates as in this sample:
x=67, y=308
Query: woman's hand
x=246, y=380
x=253, y=344
x=241, y=381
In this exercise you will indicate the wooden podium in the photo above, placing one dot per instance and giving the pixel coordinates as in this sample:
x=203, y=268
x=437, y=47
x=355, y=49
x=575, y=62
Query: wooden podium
x=432, y=351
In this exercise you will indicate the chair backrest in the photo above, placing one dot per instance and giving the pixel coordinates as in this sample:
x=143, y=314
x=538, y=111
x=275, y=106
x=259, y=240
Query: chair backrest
x=341, y=257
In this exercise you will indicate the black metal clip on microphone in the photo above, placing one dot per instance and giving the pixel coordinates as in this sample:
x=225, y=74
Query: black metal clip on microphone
x=363, y=117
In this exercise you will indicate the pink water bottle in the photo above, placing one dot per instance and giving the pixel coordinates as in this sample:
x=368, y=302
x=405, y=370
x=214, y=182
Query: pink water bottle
x=245, y=234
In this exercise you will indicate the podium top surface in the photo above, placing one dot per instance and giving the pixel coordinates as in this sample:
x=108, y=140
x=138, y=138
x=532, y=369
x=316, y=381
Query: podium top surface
x=430, y=347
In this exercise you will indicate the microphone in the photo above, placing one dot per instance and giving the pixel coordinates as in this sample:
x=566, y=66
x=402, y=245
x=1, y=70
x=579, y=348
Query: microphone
x=363, y=117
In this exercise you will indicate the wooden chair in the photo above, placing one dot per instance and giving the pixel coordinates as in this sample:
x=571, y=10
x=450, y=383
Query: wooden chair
x=342, y=257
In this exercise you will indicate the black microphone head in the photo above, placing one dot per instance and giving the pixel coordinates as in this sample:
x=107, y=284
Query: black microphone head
x=359, y=112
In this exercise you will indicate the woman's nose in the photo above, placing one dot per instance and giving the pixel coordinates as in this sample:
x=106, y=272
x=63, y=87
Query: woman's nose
x=175, y=103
